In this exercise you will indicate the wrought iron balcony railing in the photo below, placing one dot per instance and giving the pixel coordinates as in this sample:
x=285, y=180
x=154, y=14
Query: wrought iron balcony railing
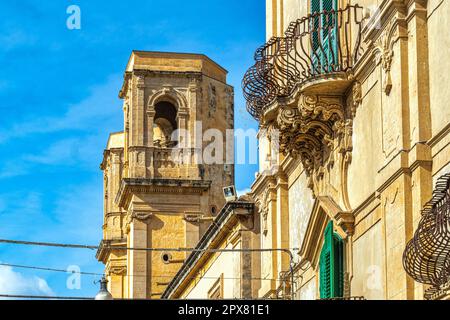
x=427, y=256
x=320, y=44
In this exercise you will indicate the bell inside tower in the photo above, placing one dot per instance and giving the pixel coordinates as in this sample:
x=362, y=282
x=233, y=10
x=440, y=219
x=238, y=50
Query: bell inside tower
x=164, y=125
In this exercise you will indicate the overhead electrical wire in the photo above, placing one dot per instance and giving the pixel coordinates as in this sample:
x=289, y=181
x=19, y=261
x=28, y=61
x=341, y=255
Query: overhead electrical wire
x=49, y=269
x=93, y=247
x=167, y=275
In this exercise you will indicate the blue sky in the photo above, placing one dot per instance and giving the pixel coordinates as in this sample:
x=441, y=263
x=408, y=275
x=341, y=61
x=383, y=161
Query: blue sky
x=58, y=101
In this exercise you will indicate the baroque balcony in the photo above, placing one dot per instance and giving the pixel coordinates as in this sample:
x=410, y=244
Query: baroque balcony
x=317, y=52
x=300, y=82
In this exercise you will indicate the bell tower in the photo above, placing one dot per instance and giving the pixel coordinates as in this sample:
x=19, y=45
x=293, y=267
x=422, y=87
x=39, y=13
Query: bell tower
x=163, y=181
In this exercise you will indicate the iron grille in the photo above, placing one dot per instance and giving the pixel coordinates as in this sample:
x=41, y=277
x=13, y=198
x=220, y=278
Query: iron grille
x=427, y=255
x=320, y=44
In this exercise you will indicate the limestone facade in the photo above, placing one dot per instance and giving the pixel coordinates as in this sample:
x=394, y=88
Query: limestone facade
x=383, y=158
x=158, y=191
x=358, y=150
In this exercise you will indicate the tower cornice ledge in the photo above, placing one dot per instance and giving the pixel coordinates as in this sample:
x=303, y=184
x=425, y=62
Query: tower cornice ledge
x=129, y=186
x=106, y=246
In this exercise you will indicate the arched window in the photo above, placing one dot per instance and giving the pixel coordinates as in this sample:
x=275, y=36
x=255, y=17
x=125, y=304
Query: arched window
x=331, y=265
x=164, y=123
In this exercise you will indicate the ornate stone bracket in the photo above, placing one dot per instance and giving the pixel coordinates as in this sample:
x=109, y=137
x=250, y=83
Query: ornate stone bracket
x=318, y=131
x=310, y=130
x=356, y=97
x=346, y=221
x=264, y=204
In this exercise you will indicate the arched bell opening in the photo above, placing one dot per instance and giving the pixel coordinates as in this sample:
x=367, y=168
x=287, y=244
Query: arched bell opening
x=164, y=124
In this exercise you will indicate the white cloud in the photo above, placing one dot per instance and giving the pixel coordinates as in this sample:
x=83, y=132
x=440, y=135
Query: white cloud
x=16, y=38
x=93, y=113
x=13, y=169
x=15, y=283
x=243, y=191
x=94, y=117
x=71, y=151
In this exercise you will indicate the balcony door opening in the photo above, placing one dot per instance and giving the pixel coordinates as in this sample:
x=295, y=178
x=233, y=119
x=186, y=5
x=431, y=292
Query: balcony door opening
x=324, y=36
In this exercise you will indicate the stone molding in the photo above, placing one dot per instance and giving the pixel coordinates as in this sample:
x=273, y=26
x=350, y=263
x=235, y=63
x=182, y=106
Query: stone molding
x=324, y=210
x=130, y=186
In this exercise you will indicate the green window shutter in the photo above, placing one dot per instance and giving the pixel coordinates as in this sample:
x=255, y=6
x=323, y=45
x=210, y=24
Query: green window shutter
x=324, y=42
x=326, y=264
x=338, y=268
x=315, y=7
x=326, y=5
x=331, y=265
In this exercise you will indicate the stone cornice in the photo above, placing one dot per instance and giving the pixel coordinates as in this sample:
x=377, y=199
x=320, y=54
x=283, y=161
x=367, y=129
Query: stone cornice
x=384, y=25
x=143, y=72
x=129, y=186
x=261, y=183
x=289, y=164
x=114, y=214
x=123, y=91
x=106, y=246
x=444, y=132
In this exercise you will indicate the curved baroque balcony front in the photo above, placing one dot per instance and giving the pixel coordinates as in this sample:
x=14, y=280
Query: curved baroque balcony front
x=317, y=52
x=304, y=86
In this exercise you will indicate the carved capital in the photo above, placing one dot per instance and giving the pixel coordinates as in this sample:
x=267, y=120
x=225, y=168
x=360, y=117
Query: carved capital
x=140, y=80
x=141, y=216
x=193, y=217
x=118, y=270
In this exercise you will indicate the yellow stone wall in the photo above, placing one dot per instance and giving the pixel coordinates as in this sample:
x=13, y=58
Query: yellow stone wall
x=224, y=265
x=400, y=147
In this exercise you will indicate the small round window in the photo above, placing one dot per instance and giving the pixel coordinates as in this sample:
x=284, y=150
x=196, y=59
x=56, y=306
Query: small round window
x=213, y=210
x=166, y=257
